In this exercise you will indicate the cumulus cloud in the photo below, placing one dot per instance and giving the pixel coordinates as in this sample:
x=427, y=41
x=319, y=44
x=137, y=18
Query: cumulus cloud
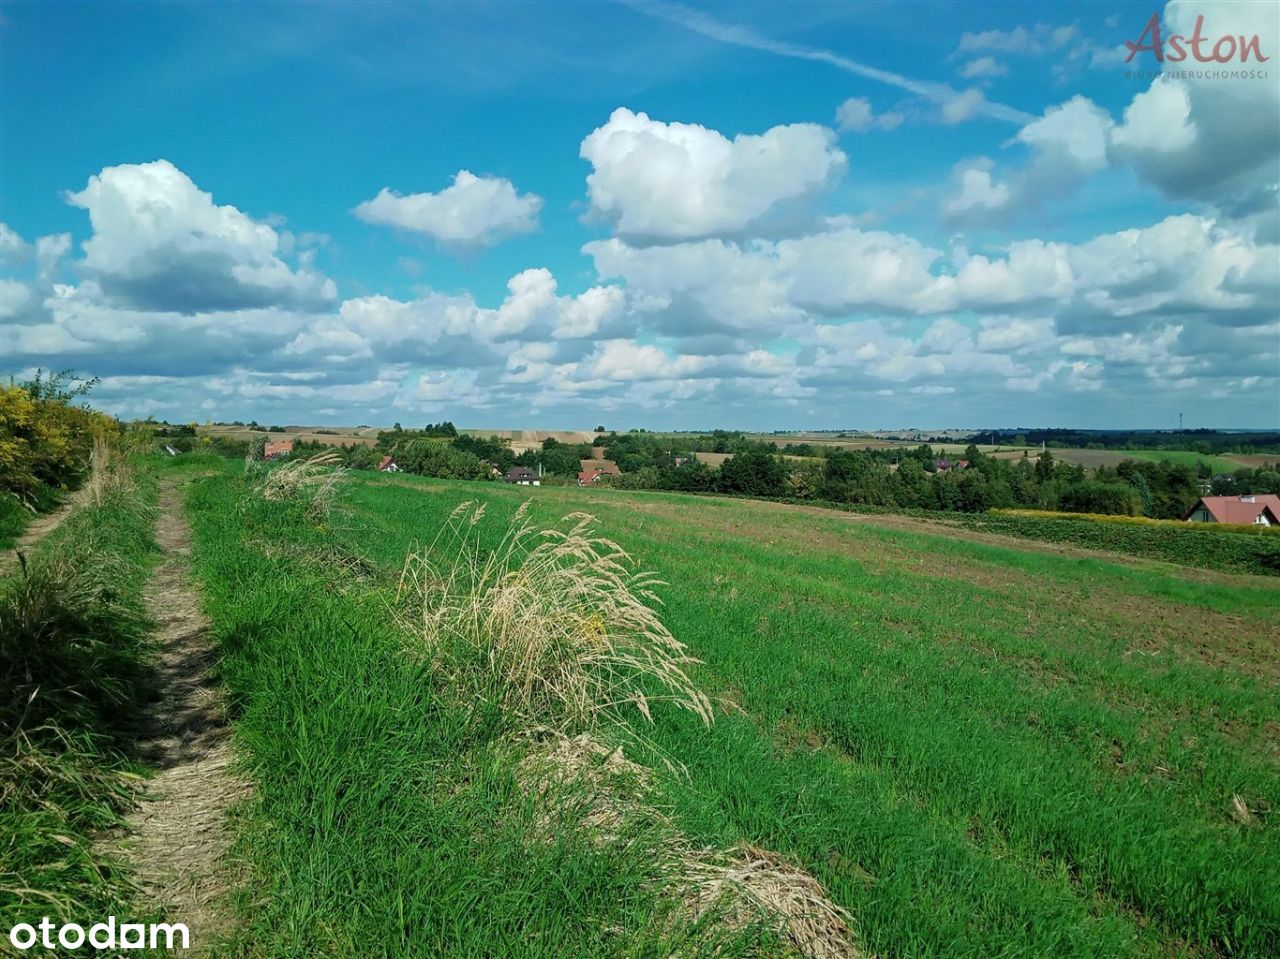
x=660, y=180
x=699, y=302
x=1068, y=143
x=473, y=211
x=440, y=329
x=856, y=116
x=159, y=242
x=628, y=360
x=1185, y=263
x=977, y=190
x=1223, y=133
x=13, y=249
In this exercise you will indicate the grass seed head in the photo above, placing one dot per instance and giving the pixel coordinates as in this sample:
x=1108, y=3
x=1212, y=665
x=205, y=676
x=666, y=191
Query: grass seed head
x=554, y=624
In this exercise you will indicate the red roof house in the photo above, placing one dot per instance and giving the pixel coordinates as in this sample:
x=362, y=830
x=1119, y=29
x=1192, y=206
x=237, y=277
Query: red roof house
x=388, y=465
x=274, y=451
x=1262, y=509
x=587, y=477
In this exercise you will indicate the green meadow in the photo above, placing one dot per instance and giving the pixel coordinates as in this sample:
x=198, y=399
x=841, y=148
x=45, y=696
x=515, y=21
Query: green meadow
x=978, y=750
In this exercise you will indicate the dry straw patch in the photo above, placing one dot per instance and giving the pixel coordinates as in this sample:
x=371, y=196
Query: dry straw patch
x=558, y=619
x=583, y=783
x=748, y=883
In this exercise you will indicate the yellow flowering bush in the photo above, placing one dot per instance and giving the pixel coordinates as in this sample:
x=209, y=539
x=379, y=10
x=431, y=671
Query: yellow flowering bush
x=45, y=438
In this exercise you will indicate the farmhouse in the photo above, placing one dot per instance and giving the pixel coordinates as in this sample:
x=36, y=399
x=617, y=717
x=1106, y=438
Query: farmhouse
x=388, y=465
x=522, y=476
x=588, y=477
x=274, y=451
x=1246, y=510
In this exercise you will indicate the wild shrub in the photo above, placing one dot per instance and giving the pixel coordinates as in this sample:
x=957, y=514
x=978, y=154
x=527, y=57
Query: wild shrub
x=45, y=438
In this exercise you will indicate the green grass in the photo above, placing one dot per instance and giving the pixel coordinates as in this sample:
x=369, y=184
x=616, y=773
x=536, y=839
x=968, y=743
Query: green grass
x=979, y=751
x=387, y=818
x=74, y=682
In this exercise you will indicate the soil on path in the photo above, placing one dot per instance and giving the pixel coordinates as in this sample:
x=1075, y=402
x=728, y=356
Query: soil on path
x=179, y=834
x=38, y=529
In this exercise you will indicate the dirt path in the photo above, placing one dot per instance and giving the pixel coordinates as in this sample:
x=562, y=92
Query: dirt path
x=39, y=528
x=179, y=833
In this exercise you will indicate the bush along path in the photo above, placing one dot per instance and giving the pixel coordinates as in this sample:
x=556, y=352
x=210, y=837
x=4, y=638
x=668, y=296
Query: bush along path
x=179, y=832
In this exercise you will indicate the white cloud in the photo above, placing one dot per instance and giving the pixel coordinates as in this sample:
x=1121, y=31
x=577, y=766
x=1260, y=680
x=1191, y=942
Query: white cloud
x=473, y=211
x=13, y=248
x=448, y=390
x=977, y=190
x=1015, y=334
x=856, y=116
x=15, y=299
x=49, y=253
x=983, y=68
x=159, y=242
x=681, y=180
x=1020, y=41
x=1157, y=120
x=1074, y=133
x=1185, y=263
x=964, y=106
x=628, y=360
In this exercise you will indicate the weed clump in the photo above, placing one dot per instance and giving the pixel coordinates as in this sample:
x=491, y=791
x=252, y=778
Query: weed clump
x=313, y=482
x=553, y=626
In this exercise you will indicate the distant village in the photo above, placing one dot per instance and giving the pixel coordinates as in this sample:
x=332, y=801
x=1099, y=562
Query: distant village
x=880, y=475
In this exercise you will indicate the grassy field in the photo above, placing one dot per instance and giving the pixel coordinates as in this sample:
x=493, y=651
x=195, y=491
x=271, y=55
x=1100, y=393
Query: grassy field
x=978, y=749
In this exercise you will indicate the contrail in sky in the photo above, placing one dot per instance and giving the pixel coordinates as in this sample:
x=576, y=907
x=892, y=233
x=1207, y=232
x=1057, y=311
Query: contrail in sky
x=944, y=95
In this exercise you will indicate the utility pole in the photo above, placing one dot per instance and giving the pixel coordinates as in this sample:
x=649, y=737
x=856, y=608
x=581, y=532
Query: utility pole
x=1179, y=422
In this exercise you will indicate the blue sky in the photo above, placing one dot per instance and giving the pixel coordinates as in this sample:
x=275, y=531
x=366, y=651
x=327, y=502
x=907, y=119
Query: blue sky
x=648, y=214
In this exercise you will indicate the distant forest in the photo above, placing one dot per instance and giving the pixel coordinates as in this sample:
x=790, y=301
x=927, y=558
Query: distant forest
x=1197, y=441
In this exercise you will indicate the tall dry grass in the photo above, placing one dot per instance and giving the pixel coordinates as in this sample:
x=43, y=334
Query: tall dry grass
x=110, y=473
x=313, y=481
x=555, y=625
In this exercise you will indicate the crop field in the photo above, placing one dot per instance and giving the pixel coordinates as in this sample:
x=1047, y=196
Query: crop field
x=1253, y=460
x=333, y=435
x=1092, y=459
x=977, y=748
